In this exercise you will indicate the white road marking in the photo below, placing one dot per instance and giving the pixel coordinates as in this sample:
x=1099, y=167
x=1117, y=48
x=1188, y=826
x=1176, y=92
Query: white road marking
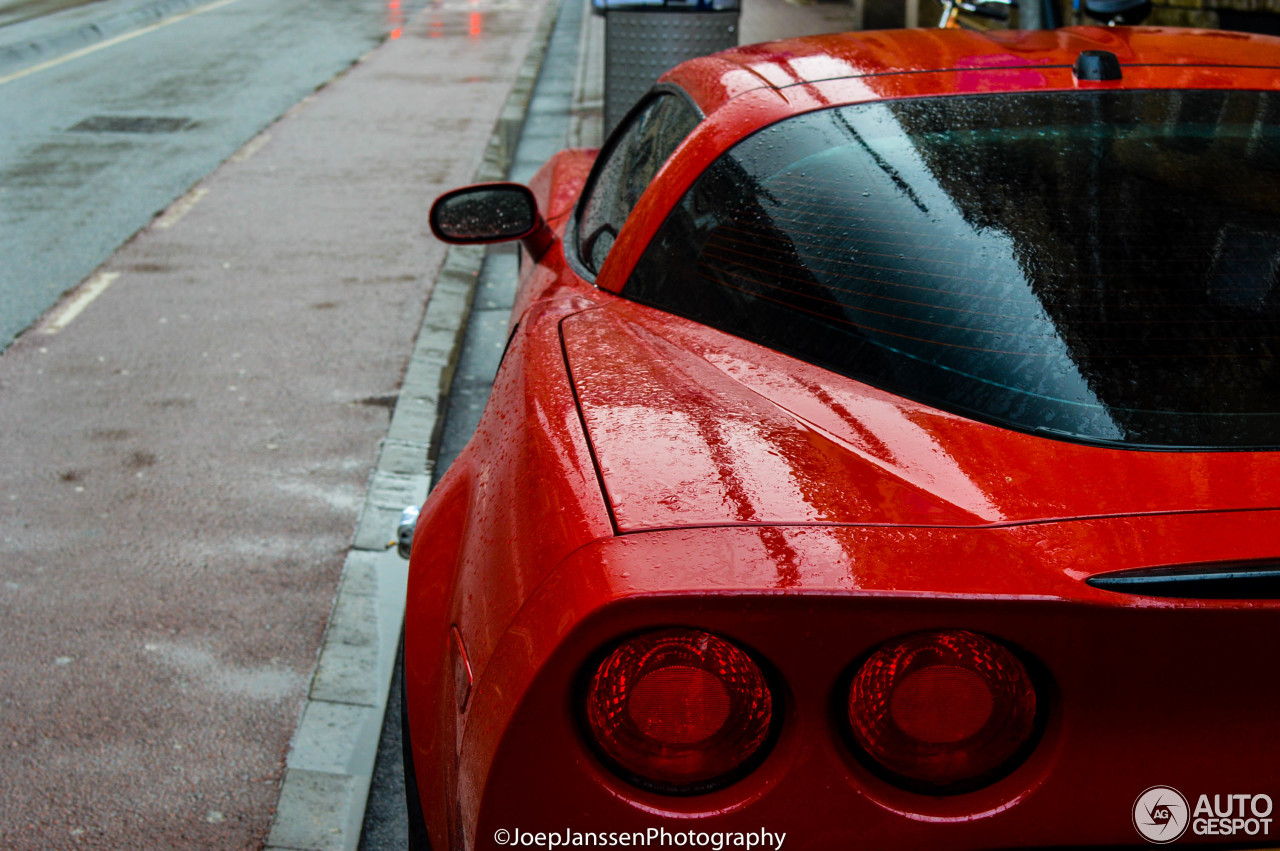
x=92, y=288
x=252, y=147
x=179, y=208
x=301, y=105
x=111, y=42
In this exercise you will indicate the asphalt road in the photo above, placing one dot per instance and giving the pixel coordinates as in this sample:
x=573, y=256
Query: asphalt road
x=180, y=466
x=17, y=11
x=94, y=143
x=186, y=444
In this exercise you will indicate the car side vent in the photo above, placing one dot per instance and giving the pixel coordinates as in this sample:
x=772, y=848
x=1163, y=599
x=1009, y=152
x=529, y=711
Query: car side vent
x=1097, y=66
x=1222, y=581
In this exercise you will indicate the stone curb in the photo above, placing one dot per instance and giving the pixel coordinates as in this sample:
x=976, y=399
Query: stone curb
x=330, y=762
x=76, y=36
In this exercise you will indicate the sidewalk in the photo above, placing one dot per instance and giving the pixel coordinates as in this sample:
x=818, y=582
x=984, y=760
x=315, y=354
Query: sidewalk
x=179, y=672
x=168, y=588
x=566, y=110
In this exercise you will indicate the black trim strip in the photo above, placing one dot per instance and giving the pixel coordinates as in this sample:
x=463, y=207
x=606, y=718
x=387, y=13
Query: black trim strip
x=572, y=244
x=1222, y=581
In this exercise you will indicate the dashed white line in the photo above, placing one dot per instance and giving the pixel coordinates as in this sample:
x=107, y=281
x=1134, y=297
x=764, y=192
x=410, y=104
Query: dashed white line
x=179, y=208
x=91, y=289
x=252, y=147
x=111, y=42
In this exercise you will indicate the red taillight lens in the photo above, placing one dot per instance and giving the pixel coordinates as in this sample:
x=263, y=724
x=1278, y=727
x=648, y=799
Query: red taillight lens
x=944, y=711
x=678, y=710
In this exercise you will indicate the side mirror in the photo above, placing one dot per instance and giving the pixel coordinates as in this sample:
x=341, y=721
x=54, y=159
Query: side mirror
x=490, y=212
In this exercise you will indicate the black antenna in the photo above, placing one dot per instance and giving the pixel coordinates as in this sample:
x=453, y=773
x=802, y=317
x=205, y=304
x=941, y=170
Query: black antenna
x=1097, y=65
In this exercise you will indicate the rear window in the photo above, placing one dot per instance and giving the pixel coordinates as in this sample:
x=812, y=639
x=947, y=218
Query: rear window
x=1096, y=266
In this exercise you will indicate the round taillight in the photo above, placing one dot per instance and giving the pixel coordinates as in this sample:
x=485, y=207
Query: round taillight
x=678, y=710
x=943, y=711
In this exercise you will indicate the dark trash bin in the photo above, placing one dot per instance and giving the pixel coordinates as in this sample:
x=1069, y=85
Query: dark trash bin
x=645, y=38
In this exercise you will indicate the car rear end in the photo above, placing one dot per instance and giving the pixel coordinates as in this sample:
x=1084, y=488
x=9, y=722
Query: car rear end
x=886, y=693
x=962, y=657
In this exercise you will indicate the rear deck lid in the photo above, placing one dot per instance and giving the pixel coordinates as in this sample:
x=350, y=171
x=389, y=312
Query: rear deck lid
x=694, y=427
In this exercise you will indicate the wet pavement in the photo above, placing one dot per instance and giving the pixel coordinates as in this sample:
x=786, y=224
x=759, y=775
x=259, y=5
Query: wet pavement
x=189, y=439
x=17, y=11
x=94, y=143
x=566, y=110
x=187, y=444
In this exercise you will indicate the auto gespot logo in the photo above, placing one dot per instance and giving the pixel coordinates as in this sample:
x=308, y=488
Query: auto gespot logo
x=1162, y=814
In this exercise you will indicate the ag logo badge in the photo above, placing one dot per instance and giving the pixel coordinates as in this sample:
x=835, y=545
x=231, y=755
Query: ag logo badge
x=1161, y=814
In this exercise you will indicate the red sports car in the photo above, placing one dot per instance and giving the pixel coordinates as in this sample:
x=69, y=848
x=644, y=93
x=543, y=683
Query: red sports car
x=884, y=456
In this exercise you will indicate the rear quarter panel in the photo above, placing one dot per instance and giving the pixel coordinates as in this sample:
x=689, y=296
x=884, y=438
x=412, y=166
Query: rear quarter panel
x=521, y=497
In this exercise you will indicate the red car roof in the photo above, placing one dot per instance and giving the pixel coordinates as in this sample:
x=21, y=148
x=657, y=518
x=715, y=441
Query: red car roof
x=714, y=80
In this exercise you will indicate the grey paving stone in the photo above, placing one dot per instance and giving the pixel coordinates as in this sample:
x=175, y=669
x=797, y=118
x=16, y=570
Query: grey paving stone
x=315, y=812
x=407, y=457
x=336, y=738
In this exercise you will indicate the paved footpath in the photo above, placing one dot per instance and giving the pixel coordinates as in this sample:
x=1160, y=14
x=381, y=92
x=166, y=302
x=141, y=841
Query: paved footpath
x=188, y=440
x=206, y=446
x=566, y=109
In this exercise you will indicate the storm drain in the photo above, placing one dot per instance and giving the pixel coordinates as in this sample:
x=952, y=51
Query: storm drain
x=132, y=124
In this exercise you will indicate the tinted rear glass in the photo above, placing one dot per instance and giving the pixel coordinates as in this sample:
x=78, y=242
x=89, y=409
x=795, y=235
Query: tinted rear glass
x=1098, y=266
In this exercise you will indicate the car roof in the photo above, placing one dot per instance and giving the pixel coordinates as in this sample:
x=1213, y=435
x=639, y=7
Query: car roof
x=715, y=80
